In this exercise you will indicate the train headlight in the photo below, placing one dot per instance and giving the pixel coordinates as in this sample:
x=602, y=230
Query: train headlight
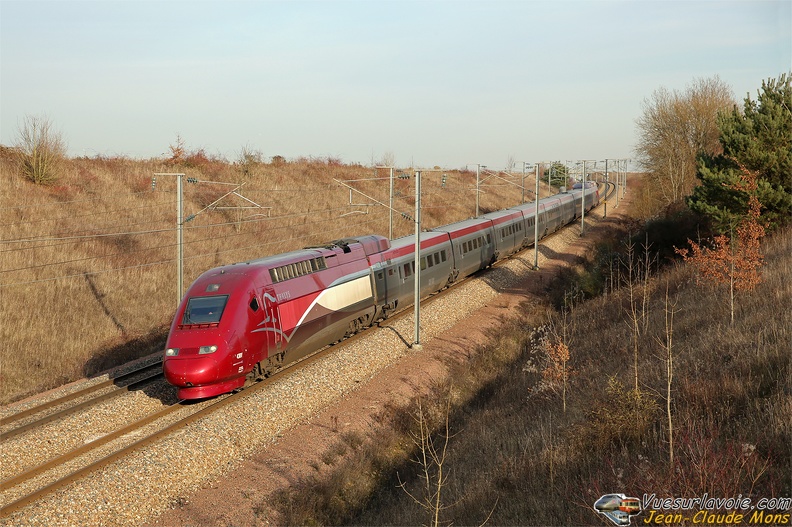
x=205, y=350
x=171, y=352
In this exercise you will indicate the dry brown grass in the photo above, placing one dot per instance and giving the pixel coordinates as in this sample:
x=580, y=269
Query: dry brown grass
x=97, y=268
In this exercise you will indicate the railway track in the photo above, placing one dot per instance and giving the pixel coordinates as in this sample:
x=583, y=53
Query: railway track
x=129, y=434
x=196, y=411
x=201, y=409
x=81, y=400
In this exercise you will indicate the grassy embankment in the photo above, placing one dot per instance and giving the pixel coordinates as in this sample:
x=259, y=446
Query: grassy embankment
x=514, y=457
x=88, y=263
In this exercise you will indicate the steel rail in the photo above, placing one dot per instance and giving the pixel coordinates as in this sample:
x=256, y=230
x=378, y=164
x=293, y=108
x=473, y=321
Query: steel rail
x=234, y=397
x=66, y=398
x=72, y=409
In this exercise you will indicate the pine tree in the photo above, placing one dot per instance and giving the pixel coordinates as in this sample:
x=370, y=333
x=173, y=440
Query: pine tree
x=759, y=138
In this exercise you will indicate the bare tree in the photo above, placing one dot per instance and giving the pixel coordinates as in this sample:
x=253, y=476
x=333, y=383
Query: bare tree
x=431, y=458
x=510, y=164
x=40, y=149
x=388, y=159
x=667, y=345
x=674, y=129
x=557, y=370
x=634, y=315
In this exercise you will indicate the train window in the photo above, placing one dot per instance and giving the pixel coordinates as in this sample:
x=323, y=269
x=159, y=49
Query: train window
x=204, y=309
x=423, y=263
x=254, y=305
x=390, y=272
x=274, y=276
x=489, y=239
x=380, y=275
x=430, y=260
x=443, y=255
x=407, y=270
x=437, y=258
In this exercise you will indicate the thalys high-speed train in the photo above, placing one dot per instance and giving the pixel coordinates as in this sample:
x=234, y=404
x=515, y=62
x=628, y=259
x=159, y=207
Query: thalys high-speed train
x=251, y=318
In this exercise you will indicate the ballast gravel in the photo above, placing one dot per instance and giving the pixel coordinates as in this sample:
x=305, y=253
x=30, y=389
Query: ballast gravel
x=141, y=486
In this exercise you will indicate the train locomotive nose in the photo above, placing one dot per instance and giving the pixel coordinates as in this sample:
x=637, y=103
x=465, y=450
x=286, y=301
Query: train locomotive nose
x=195, y=371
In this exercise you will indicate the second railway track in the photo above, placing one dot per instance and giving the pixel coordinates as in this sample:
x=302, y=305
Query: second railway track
x=60, y=407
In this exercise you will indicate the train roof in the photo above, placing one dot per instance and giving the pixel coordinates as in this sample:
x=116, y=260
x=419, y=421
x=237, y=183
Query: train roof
x=464, y=227
x=428, y=239
x=289, y=257
x=503, y=216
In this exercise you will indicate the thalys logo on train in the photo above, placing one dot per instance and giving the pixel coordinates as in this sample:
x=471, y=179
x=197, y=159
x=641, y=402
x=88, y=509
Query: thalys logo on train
x=618, y=508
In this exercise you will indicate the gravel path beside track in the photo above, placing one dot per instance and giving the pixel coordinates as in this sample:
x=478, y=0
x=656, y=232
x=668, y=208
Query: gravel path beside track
x=138, y=488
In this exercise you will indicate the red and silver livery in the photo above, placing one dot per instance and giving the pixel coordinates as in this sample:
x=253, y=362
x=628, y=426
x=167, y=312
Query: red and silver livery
x=252, y=318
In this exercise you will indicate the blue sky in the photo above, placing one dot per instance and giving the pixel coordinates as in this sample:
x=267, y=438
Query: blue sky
x=446, y=83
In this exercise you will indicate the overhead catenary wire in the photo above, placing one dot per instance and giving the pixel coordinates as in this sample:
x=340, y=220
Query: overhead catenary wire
x=444, y=193
x=165, y=246
x=153, y=205
x=76, y=237
x=169, y=229
x=171, y=260
x=60, y=203
x=88, y=215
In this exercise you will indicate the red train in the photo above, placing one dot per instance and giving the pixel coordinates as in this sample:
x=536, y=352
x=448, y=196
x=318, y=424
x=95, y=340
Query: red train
x=254, y=317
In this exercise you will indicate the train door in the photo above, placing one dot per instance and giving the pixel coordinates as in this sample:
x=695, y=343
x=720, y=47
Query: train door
x=272, y=321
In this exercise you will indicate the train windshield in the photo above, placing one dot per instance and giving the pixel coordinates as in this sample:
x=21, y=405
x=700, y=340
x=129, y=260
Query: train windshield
x=204, y=309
